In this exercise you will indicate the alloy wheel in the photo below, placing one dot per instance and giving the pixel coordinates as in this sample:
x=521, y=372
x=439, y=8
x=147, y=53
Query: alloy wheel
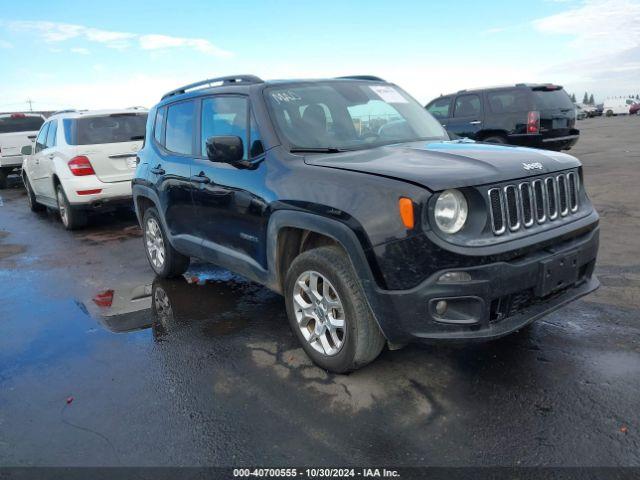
x=62, y=208
x=155, y=243
x=319, y=313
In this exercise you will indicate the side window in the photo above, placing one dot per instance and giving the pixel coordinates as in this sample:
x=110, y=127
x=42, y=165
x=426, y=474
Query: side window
x=440, y=108
x=508, y=101
x=51, y=135
x=42, y=137
x=179, y=129
x=158, y=126
x=467, y=106
x=224, y=116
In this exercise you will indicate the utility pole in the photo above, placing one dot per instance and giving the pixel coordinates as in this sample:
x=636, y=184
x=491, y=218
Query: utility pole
x=30, y=102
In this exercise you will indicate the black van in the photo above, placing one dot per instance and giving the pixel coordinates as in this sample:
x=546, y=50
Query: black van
x=529, y=115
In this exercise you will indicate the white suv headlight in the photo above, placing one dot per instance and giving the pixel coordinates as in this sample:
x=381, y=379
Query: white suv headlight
x=451, y=211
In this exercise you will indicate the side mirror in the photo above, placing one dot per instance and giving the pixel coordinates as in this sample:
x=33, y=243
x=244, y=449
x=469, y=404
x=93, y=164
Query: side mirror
x=227, y=149
x=26, y=150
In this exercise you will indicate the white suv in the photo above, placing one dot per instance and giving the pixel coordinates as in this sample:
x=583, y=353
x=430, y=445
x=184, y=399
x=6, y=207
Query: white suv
x=84, y=161
x=17, y=130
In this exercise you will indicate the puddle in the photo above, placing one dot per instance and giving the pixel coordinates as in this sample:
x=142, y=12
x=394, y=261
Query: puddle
x=215, y=301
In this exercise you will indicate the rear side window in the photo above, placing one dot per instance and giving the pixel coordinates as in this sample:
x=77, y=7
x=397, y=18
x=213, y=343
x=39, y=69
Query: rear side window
x=42, y=138
x=158, y=127
x=509, y=101
x=114, y=128
x=440, y=108
x=467, y=106
x=552, y=100
x=51, y=135
x=179, y=128
x=19, y=123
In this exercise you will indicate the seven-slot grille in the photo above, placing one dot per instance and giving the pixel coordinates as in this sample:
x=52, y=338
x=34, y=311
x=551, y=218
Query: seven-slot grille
x=523, y=204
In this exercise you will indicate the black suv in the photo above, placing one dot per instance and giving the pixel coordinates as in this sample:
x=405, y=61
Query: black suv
x=349, y=199
x=540, y=115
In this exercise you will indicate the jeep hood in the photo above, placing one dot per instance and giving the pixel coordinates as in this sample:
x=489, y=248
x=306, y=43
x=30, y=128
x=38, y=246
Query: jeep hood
x=448, y=164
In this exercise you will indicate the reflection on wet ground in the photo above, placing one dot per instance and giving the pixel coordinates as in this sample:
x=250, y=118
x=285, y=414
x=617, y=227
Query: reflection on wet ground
x=215, y=300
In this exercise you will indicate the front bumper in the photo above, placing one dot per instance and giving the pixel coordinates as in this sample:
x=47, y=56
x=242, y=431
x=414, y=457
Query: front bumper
x=500, y=298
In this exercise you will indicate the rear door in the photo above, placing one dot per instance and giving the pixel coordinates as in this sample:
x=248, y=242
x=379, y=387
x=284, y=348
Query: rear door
x=111, y=143
x=16, y=131
x=467, y=116
x=557, y=111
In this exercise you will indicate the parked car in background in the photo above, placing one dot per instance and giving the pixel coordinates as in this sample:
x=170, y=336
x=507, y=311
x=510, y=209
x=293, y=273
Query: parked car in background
x=617, y=106
x=634, y=109
x=581, y=114
x=17, y=130
x=589, y=110
x=530, y=115
x=83, y=161
x=347, y=197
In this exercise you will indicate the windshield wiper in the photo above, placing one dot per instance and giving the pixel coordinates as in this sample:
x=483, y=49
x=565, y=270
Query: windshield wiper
x=316, y=150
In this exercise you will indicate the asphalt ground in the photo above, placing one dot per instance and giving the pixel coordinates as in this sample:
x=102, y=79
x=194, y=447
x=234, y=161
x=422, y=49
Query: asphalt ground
x=215, y=377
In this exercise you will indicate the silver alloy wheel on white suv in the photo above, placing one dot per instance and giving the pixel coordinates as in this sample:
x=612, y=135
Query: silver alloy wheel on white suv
x=62, y=208
x=155, y=243
x=319, y=312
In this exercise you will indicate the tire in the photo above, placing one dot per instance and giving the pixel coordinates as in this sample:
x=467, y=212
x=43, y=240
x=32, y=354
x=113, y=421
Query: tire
x=34, y=206
x=3, y=178
x=164, y=260
x=360, y=340
x=609, y=113
x=495, y=139
x=72, y=218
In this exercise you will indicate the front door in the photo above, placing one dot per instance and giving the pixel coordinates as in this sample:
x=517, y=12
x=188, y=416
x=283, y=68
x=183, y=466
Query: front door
x=35, y=170
x=230, y=199
x=467, y=116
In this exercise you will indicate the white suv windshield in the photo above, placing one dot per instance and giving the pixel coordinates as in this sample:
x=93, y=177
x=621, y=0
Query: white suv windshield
x=349, y=115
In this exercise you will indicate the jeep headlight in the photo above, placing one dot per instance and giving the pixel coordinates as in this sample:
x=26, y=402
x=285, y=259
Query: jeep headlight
x=451, y=211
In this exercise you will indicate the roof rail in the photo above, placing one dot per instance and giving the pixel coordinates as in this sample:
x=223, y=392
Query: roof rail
x=69, y=110
x=211, y=81
x=370, y=78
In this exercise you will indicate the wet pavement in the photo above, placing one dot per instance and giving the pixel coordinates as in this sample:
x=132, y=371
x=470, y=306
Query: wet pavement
x=102, y=364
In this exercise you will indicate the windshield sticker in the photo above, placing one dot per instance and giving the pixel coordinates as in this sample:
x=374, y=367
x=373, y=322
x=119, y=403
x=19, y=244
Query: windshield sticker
x=285, y=96
x=388, y=94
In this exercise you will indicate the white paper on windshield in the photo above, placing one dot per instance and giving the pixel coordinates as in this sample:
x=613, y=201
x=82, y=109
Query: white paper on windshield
x=388, y=94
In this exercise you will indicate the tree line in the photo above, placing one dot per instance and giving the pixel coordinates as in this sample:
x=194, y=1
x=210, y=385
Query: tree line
x=587, y=99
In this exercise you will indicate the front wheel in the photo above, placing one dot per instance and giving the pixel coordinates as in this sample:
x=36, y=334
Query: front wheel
x=328, y=311
x=34, y=206
x=165, y=260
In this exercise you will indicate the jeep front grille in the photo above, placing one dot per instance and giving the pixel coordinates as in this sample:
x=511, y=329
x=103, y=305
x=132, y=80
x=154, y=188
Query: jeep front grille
x=522, y=205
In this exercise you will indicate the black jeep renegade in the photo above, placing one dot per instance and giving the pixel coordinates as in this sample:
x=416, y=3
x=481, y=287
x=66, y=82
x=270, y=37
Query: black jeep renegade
x=349, y=199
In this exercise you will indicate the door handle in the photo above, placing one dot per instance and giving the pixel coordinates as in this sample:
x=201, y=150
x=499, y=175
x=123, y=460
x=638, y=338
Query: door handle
x=200, y=178
x=158, y=170
x=475, y=122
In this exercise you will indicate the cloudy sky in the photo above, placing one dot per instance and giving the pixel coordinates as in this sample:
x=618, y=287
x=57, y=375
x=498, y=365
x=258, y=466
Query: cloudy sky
x=79, y=54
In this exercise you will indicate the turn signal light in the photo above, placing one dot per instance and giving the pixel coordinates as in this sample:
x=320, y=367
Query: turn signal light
x=406, y=212
x=81, y=166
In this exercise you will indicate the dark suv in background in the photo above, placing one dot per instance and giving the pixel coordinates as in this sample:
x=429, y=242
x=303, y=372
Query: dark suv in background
x=348, y=198
x=529, y=115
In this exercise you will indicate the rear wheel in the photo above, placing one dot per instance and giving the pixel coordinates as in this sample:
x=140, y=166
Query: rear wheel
x=165, y=260
x=72, y=218
x=4, y=173
x=34, y=206
x=609, y=113
x=495, y=139
x=328, y=311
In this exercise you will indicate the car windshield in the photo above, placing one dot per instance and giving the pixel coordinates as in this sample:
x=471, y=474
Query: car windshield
x=348, y=115
x=114, y=128
x=20, y=123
